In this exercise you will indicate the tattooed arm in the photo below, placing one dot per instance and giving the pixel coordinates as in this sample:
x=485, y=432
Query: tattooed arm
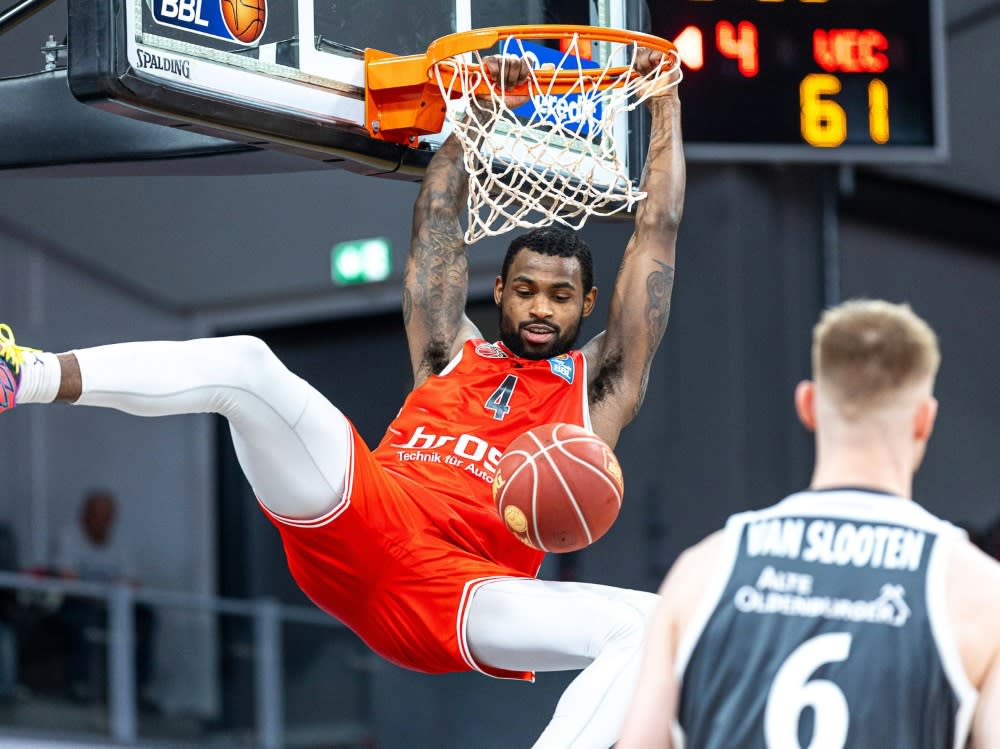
x=435, y=282
x=619, y=359
x=436, y=279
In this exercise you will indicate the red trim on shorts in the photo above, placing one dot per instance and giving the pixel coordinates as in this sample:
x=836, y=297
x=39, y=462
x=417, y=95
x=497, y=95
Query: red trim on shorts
x=462, y=623
x=338, y=509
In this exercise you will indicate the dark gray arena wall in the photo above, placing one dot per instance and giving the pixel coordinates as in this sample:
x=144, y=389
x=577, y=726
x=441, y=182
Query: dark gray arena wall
x=717, y=433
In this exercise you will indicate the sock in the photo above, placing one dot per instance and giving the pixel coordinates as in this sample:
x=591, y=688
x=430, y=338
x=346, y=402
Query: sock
x=41, y=375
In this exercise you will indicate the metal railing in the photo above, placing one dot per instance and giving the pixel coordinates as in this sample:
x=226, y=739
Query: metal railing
x=268, y=618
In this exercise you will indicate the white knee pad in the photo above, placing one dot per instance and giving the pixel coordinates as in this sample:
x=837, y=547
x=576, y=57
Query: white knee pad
x=247, y=365
x=627, y=629
x=242, y=361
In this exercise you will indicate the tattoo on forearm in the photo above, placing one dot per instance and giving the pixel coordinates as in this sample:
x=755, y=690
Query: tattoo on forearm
x=663, y=174
x=438, y=270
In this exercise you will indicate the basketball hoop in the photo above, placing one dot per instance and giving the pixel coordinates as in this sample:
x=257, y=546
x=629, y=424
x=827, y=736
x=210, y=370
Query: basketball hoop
x=551, y=160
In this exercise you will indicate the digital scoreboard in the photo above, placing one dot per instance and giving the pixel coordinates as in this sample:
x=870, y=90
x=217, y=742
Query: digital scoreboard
x=836, y=80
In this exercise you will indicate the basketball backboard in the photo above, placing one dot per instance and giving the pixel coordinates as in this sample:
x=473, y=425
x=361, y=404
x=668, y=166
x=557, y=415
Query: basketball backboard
x=286, y=75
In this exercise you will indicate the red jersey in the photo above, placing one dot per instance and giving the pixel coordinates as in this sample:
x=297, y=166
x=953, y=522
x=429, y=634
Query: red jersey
x=452, y=430
x=416, y=534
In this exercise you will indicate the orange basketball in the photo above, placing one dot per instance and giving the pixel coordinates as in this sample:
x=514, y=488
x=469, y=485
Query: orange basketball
x=245, y=18
x=558, y=487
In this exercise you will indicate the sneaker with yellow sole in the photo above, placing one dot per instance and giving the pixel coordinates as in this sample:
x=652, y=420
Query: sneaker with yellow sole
x=11, y=359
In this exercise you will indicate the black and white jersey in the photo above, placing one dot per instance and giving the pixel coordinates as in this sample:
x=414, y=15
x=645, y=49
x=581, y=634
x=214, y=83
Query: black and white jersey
x=826, y=628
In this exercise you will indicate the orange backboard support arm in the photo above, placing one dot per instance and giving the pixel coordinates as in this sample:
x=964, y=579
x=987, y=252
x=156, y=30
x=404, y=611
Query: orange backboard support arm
x=401, y=101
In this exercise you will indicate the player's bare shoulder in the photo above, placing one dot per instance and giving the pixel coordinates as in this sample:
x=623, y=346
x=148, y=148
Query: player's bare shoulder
x=684, y=586
x=974, y=608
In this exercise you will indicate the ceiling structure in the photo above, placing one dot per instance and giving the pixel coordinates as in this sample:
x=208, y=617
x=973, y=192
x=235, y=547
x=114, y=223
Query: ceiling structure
x=179, y=241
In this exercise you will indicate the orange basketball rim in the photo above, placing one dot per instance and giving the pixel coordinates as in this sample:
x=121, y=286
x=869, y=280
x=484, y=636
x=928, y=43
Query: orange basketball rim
x=404, y=99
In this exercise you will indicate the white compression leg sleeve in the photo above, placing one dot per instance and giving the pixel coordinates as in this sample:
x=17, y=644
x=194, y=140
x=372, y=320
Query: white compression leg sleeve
x=292, y=443
x=540, y=625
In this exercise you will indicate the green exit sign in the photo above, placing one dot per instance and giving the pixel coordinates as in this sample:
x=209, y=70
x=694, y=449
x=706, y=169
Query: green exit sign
x=361, y=261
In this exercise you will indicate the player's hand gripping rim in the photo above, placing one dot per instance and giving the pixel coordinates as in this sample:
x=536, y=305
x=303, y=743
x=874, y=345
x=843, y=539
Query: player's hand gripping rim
x=506, y=73
x=663, y=85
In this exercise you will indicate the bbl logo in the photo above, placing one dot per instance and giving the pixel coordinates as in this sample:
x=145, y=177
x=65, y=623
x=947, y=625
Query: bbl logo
x=563, y=366
x=230, y=20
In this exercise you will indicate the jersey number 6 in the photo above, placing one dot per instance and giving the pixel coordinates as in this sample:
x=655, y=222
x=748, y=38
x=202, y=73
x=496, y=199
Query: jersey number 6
x=792, y=692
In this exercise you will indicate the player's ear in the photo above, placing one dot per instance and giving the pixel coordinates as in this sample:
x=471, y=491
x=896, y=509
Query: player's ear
x=589, y=299
x=497, y=291
x=924, y=418
x=805, y=404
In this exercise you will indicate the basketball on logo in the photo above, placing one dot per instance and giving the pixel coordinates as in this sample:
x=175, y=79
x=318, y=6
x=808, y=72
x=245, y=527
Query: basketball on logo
x=245, y=18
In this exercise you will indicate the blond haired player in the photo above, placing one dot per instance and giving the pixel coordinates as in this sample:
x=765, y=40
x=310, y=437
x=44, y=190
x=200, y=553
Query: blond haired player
x=403, y=543
x=844, y=615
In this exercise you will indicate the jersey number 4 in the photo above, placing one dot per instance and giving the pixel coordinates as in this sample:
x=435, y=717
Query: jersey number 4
x=499, y=402
x=793, y=691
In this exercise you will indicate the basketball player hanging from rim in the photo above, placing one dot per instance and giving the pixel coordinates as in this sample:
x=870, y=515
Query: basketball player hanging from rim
x=845, y=615
x=403, y=544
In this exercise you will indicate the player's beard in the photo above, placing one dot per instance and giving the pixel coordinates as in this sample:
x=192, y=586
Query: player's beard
x=561, y=343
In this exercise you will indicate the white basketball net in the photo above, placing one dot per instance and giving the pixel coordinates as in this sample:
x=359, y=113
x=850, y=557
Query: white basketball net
x=559, y=164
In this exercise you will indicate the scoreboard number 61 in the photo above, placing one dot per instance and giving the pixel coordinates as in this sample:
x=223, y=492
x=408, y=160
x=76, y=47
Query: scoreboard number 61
x=824, y=122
